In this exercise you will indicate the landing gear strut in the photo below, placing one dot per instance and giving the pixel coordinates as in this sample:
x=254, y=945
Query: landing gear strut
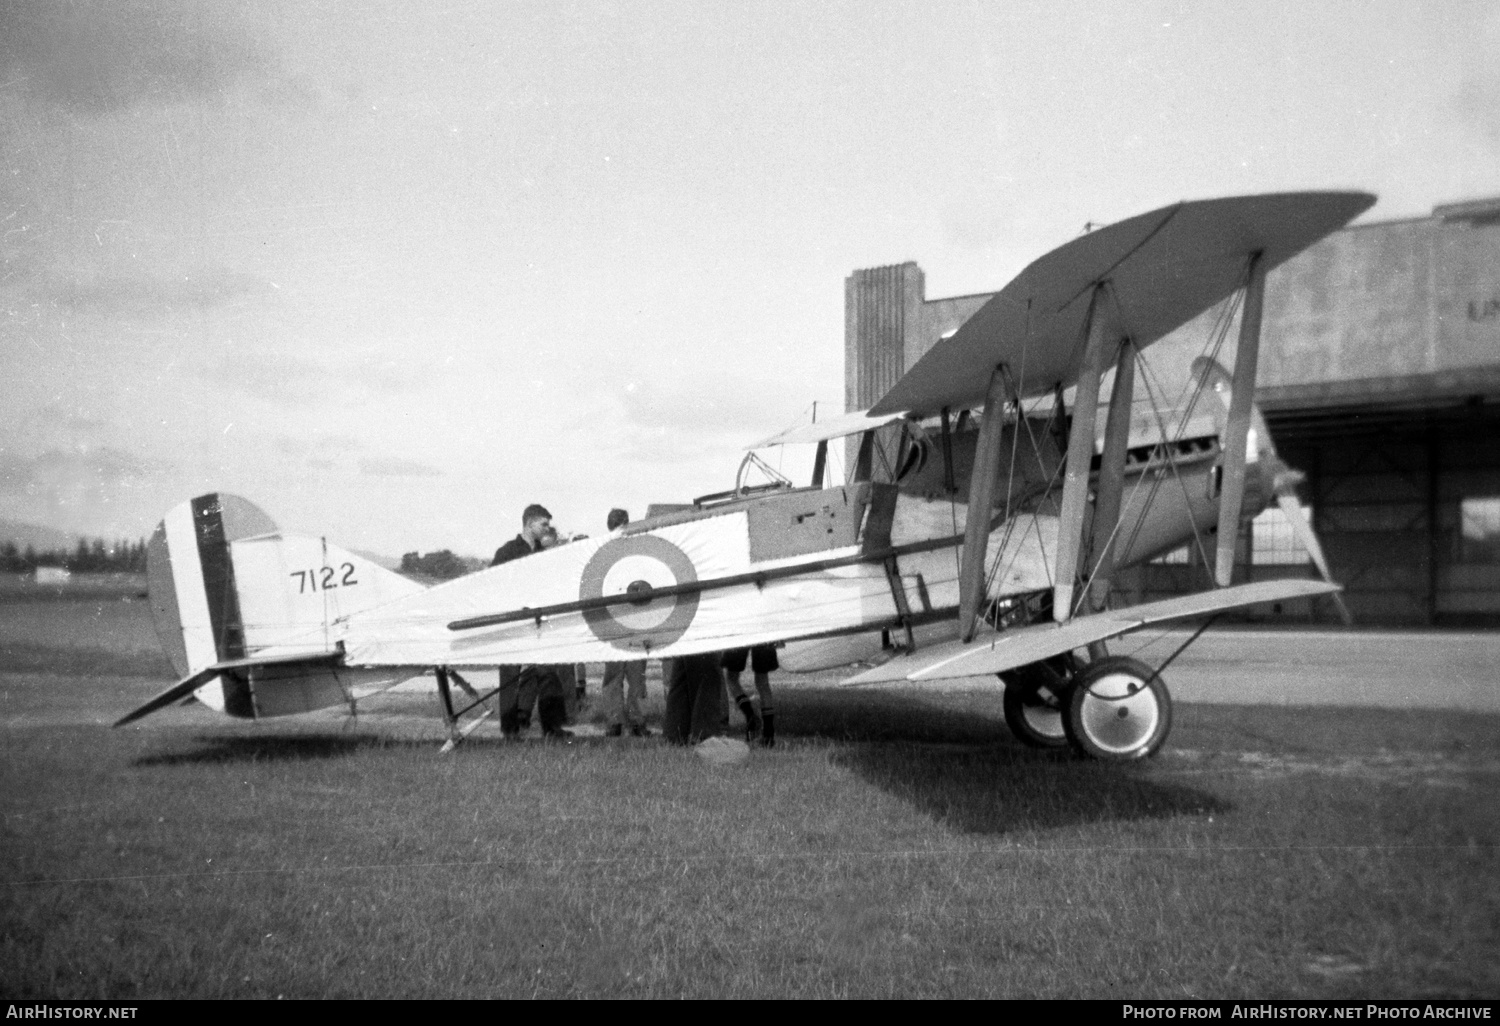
x=458, y=730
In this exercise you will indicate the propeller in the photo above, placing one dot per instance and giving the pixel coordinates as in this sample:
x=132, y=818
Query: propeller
x=1284, y=479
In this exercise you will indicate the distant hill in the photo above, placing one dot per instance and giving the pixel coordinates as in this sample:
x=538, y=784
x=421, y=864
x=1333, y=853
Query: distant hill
x=43, y=539
x=49, y=539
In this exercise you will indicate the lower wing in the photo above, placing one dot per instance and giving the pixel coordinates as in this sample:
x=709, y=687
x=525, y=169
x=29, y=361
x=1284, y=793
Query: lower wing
x=1022, y=645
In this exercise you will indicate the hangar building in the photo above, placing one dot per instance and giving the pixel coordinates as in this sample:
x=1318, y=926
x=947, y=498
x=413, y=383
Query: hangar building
x=1379, y=378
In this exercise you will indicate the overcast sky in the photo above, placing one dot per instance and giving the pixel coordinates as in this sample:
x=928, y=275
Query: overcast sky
x=394, y=270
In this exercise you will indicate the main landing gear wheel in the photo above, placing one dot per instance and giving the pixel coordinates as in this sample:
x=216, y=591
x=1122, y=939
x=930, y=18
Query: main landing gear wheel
x=1035, y=697
x=1118, y=710
x=1035, y=719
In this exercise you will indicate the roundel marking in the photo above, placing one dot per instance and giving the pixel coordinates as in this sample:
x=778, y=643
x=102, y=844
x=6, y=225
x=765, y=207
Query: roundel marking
x=637, y=566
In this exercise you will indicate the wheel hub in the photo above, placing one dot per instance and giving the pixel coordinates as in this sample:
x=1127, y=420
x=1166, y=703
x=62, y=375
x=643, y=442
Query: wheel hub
x=1119, y=714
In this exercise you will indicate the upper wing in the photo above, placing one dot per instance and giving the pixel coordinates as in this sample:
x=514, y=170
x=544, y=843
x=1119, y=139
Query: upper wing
x=1023, y=645
x=850, y=423
x=1166, y=267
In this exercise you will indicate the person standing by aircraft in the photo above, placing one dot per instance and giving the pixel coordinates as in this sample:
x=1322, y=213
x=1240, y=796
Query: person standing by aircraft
x=624, y=687
x=762, y=660
x=537, y=533
x=695, y=698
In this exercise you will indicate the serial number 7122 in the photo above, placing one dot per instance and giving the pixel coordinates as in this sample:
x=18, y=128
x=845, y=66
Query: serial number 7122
x=324, y=578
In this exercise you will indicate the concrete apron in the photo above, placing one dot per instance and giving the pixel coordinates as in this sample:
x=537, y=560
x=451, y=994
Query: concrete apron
x=1392, y=669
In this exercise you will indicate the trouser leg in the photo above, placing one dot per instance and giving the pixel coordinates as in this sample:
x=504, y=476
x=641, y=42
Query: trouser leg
x=567, y=678
x=509, y=700
x=708, y=699
x=551, y=709
x=677, y=721
x=767, y=709
x=635, y=692
x=526, y=696
x=610, y=692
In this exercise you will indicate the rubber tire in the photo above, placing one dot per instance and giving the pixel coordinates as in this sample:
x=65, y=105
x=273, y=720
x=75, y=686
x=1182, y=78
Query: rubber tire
x=1020, y=706
x=1118, y=710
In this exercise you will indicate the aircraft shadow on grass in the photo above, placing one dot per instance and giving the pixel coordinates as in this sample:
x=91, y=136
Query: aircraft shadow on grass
x=958, y=765
x=966, y=770
x=214, y=749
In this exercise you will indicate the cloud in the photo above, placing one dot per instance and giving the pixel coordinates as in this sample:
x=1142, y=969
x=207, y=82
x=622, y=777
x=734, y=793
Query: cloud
x=684, y=421
x=300, y=445
x=321, y=451
x=280, y=379
x=149, y=296
x=1478, y=105
x=292, y=380
x=977, y=226
x=98, y=57
x=66, y=483
x=703, y=417
x=396, y=466
x=711, y=407
x=63, y=424
x=105, y=464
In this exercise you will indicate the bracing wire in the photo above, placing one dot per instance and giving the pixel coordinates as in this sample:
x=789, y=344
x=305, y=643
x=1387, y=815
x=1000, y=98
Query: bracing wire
x=1216, y=336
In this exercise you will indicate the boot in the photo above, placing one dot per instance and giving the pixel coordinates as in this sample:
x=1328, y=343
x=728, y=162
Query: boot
x=510, y=723
x=768, y=729
x=752, y=721
x=553, y=712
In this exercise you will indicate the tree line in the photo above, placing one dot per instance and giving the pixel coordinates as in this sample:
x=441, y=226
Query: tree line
x=441, y=566
x=90, y=556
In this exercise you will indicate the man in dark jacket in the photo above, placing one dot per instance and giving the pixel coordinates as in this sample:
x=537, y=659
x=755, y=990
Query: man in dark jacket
x=536, y=524
x=519, y=683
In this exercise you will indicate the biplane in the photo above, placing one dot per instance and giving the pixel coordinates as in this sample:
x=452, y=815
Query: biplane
x=977, y=532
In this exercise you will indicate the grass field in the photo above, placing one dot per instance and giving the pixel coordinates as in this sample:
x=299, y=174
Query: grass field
x=892, y=845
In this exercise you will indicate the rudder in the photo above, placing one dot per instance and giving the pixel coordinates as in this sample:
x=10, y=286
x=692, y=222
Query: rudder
x=226, y=586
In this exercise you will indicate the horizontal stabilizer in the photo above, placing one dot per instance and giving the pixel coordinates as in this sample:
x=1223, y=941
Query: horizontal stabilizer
x=1023, y=645
x=194, y=681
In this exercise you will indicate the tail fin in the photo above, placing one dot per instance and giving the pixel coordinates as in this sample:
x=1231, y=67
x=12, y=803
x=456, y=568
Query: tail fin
x=230, y=591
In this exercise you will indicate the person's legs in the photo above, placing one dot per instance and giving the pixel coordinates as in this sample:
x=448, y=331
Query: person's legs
x=732, y=685
x=610, y=693
x=708, y=697
x=526, y=692
x=567, y=676
x=678, y=719
x=635, y=695
x=733, y=662
x=742, y=700
x=551, y=705
x=762, y=661
x=509, y=701
x=767, y=710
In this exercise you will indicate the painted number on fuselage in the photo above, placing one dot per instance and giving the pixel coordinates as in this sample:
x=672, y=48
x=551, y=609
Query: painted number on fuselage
x=324, y=579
